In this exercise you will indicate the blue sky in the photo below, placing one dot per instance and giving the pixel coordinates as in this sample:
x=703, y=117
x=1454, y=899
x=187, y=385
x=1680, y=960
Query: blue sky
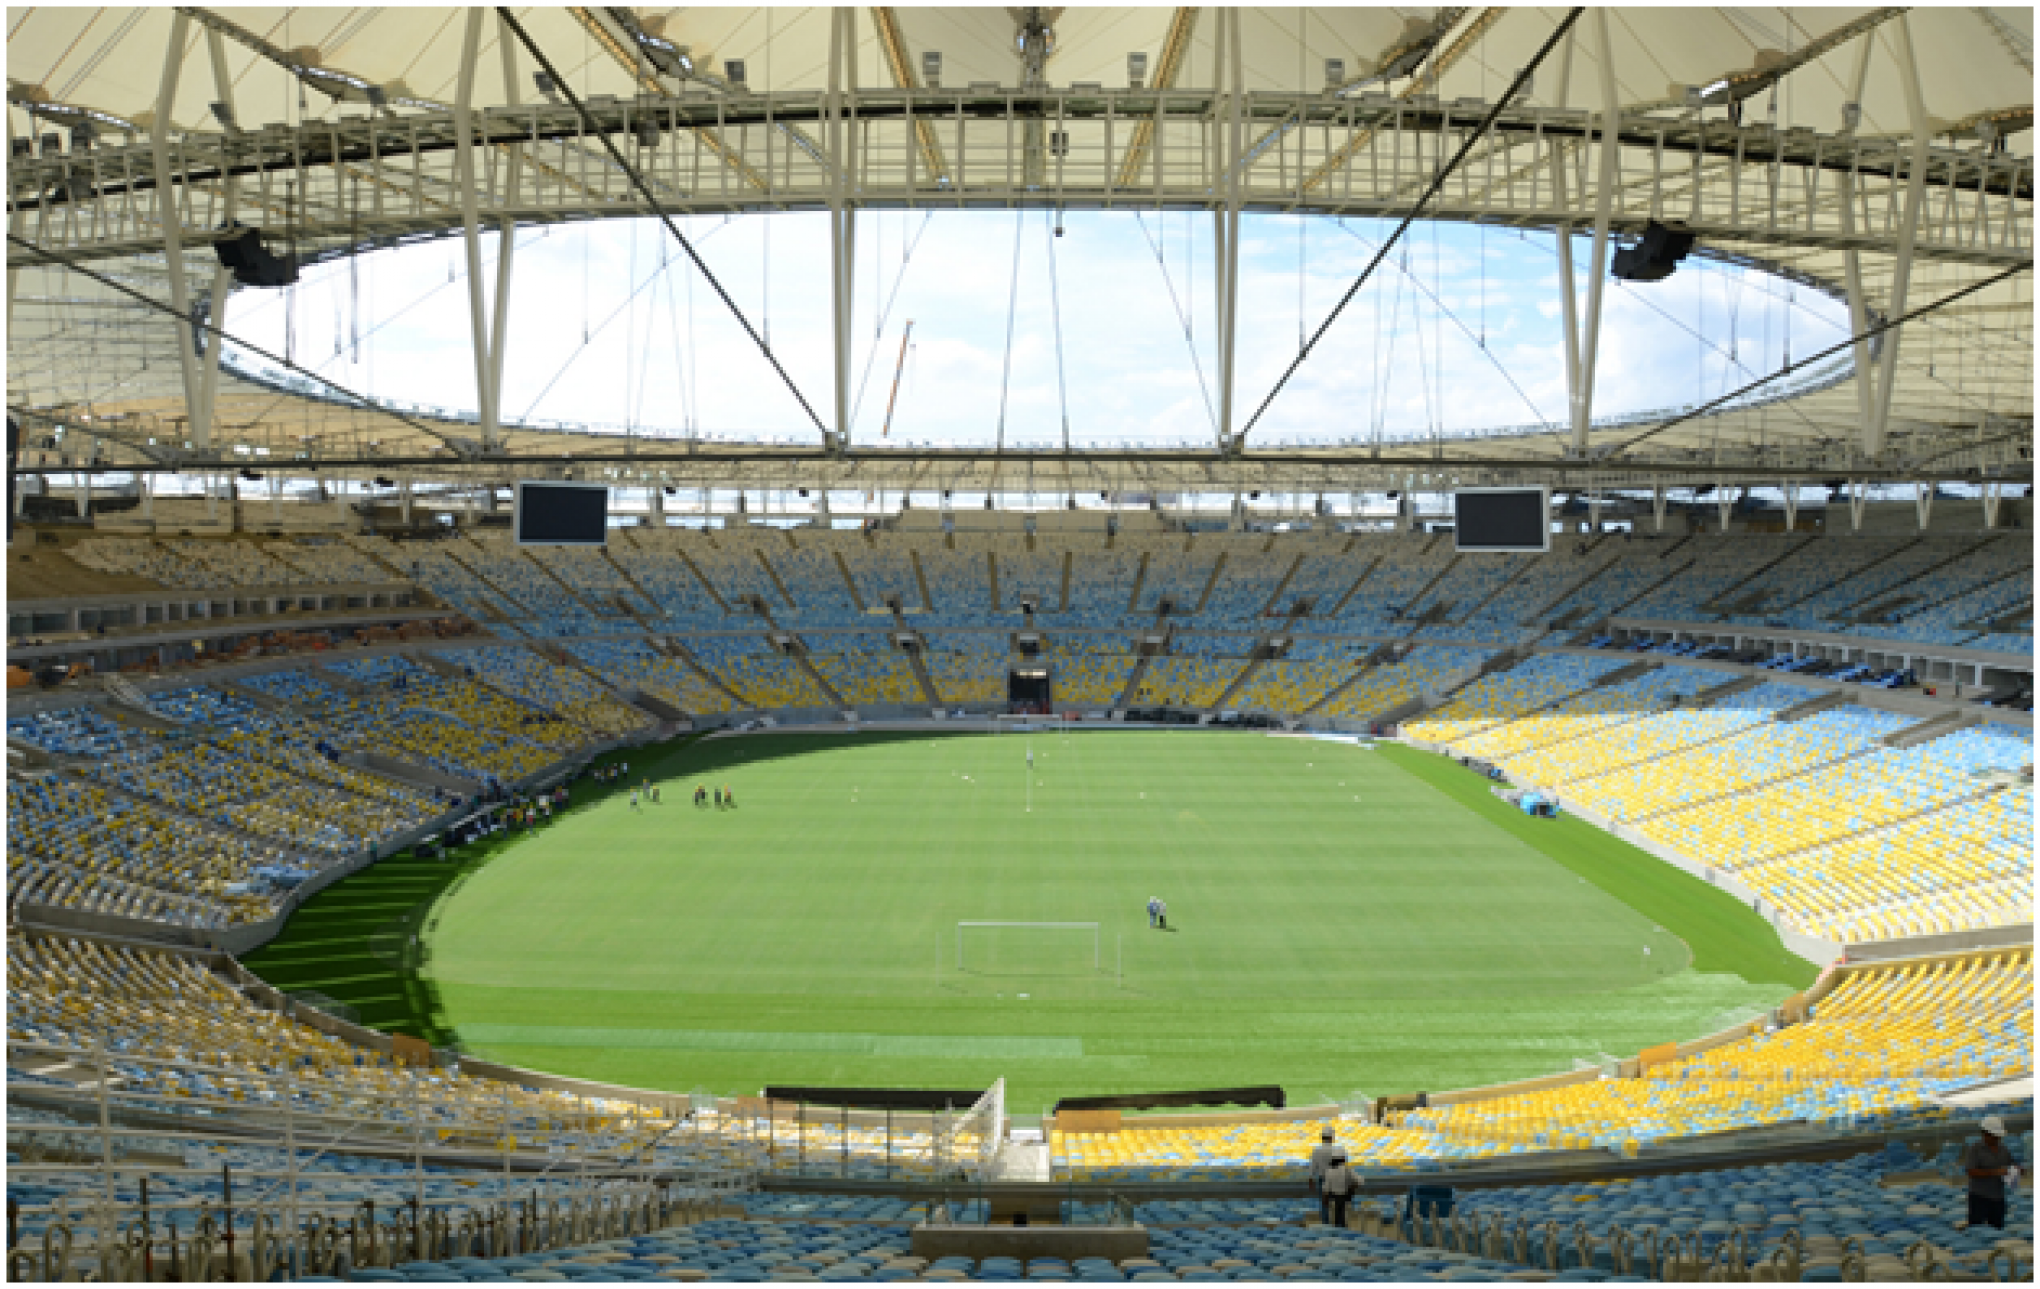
x=1459, y=331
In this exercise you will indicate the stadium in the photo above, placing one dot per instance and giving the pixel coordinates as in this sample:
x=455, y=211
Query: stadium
x=1451, y=582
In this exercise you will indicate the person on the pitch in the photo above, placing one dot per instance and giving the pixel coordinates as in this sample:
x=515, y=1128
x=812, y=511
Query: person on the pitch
x=718, y=798
x=729, y=798
x=1162, y=913
x=1154, y=911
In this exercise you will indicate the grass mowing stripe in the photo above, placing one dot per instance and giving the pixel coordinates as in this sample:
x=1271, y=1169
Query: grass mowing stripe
x=1341, y=921
x=1047, y=1047
x=1723, y=935
x=1425, y=936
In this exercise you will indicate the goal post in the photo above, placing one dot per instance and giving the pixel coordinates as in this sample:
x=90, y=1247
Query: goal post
x=1097, y=957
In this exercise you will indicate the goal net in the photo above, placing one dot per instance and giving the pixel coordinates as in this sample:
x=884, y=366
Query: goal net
x=967, y=1143
x=1028, y=948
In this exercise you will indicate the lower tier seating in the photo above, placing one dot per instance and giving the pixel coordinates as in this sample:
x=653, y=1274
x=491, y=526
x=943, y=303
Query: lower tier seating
x=1879, y=1048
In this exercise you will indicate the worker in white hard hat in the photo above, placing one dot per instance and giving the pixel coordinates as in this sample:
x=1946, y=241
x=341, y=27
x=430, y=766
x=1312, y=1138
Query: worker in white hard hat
x=1987, y=1162
x=1328, y=1152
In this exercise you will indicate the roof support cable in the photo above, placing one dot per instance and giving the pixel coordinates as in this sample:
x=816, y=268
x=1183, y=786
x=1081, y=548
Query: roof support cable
x=1160, y=250
x=1052, y=226
x=886, y=308
x=1012, y=311
x=644, y=189
x=1436, y=185
x=629, y=303
x=200, y=321
x=1868, y=333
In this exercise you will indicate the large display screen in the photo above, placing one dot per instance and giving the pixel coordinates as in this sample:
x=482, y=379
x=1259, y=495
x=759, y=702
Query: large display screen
x=562, y=514
x=1502, y=519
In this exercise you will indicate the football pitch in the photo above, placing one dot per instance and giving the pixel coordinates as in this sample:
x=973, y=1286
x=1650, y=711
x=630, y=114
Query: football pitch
x=1341, y=919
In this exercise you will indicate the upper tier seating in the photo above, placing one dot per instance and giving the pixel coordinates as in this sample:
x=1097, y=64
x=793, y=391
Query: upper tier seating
x=1429, y=669
x=331, y=561
x=1324, y=576
x=821, y=596
x=1902, y=566
x=1466, y=589
x=959, y=582
x=882, y=569
x=1720, y=565
x=1936, y=589
x=1515, y=613
x=1383, y=604
x=1636, y=567
x=1100, y=595
x=549, y=608
x=1814, y=568
x=655, y=561
x=865, y=668
x=1242, y=596
x=1540, y=679
x=734, y=564
x=1176, y=576
x=628, y=665
x=1034, y=576
x=593, y=578
x=565, y=690
x=437, y=566
x=748, y=665
x=1962, y=598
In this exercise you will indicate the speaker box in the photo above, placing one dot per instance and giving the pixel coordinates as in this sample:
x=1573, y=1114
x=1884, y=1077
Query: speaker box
x=1655, y=257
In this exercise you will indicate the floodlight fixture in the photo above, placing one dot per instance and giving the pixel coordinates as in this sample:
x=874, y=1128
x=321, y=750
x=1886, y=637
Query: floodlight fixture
x=1136, y=70
x=931, y=68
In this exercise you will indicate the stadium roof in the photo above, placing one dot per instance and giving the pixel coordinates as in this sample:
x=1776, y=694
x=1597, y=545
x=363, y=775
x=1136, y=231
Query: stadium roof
x=343, y=129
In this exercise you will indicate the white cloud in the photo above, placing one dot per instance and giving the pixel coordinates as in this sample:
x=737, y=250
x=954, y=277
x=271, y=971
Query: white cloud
x=673, y=352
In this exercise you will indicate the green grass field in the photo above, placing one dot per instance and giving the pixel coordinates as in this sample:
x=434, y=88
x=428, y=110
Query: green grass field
x=1341, y=918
